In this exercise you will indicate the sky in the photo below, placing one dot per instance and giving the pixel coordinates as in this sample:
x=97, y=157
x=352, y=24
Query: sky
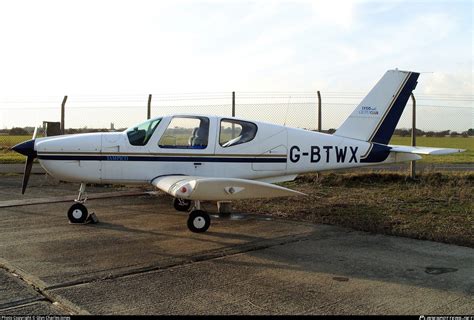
x=130, y=48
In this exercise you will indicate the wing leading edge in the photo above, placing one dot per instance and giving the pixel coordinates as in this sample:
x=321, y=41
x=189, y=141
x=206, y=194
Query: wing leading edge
x=217, y=189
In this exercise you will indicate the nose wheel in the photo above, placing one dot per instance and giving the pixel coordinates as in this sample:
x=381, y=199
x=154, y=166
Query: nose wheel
x=77, y=213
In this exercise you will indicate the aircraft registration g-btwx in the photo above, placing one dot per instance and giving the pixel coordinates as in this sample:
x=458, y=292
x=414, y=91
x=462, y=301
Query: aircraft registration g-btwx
x=211, y=158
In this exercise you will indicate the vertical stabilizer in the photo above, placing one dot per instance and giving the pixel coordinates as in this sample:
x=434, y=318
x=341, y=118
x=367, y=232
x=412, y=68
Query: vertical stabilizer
x=375, y=118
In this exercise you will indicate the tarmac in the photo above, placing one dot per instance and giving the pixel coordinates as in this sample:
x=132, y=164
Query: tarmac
x=141, y=259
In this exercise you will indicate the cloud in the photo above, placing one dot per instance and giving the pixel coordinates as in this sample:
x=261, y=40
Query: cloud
x=333, y=13
x=459, y=83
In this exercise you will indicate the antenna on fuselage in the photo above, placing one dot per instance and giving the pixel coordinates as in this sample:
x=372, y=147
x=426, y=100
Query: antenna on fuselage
x=286, y=114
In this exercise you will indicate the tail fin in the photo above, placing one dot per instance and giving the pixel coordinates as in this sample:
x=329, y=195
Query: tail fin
x=375, y=118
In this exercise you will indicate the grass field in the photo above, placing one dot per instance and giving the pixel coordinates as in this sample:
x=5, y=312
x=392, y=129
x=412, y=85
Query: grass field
x=7, y=156
x=10, y=141
x=436, y=206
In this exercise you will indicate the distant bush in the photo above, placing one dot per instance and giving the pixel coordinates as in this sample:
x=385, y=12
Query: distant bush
x=438, y=134
x=442, y=133
x=18, y=132
x=430, y=134
x=403, y=132
x=407, y=132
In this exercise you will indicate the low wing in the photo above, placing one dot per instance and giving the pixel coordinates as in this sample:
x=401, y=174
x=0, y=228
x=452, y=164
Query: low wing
x=424, y=150
x=216, y=189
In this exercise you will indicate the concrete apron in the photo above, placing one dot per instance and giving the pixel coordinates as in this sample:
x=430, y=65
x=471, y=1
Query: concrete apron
x=141, y=259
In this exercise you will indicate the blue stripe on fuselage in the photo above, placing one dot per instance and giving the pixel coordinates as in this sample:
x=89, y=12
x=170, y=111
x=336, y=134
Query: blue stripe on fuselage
x=160, y=159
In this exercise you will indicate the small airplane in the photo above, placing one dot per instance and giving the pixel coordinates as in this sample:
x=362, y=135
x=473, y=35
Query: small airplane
x=198, y=158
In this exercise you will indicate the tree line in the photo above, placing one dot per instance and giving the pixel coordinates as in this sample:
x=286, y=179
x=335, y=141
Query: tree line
x=444, y=133
x=421, y=133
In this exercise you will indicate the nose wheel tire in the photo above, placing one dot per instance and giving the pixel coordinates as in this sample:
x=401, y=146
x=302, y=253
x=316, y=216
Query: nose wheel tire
x=199, y=221
x=77, y=213
x=181, y=204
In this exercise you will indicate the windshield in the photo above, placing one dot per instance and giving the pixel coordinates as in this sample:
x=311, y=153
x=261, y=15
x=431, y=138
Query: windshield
x=140, y=135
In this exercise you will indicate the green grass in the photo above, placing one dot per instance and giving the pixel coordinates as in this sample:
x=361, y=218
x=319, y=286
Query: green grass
x=445, y=142
x=10, y=141
x=11, y=157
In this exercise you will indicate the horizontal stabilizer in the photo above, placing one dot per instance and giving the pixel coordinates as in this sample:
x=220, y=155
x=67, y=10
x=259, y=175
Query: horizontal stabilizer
x=216, y=189
x=424, y=150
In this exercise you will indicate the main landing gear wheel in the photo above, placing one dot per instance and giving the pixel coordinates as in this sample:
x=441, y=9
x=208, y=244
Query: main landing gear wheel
x=181, y=204
x=77, y=213
x=199, y=221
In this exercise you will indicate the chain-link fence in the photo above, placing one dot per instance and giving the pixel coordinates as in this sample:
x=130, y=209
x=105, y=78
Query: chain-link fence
x=435, y=112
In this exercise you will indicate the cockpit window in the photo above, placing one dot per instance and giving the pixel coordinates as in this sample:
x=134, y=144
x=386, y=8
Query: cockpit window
x=141, y=134
x=234, y=132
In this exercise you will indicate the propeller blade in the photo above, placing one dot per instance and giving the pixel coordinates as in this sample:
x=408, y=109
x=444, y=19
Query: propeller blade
x=34, y=133
x=26, y=174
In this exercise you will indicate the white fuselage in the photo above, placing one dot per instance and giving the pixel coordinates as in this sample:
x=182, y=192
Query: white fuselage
x=277, y=153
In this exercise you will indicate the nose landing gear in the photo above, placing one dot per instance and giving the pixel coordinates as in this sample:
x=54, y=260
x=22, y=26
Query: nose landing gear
x=78, y=213
x=199, y=220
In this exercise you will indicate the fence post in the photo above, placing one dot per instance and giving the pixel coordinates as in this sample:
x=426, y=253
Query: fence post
x=233, y=103
x=413, y=135
x=148, y=113
x=63, y=105
x=319, y=112
x=233, y=113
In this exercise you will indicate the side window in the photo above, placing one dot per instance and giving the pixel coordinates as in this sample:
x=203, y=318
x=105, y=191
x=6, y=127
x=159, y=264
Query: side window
x=186, y=133
x=139, y=135
x=234, y=132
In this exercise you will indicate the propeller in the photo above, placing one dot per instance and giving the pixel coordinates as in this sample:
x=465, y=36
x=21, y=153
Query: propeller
x=27, y=148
